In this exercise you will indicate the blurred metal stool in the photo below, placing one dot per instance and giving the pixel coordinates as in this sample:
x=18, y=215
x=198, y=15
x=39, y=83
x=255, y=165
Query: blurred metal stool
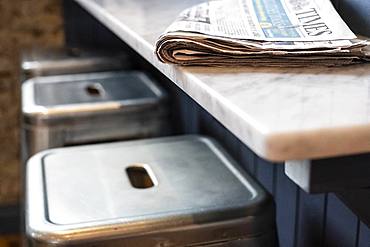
x=174, y=191
x=88, y=108
x=63, y=60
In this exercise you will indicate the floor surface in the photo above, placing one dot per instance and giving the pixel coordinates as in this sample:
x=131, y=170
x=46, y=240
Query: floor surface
x=9, y=241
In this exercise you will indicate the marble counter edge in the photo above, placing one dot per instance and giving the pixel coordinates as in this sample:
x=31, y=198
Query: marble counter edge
x=318, y=143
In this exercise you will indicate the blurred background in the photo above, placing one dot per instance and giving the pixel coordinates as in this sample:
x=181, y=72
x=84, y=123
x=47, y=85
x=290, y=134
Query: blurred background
x=23, y=24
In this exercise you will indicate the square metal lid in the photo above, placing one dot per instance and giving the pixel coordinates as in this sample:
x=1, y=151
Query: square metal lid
x=53, y=96
x=41, y=61
x=88, y=187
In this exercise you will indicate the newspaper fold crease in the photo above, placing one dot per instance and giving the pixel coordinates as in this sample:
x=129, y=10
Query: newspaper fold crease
x=292, y=33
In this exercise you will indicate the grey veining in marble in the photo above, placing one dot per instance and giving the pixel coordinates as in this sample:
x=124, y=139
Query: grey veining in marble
x=281, y=114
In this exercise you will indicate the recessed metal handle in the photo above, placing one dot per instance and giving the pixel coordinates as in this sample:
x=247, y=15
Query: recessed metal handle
x=95, y=89
x=139, y=176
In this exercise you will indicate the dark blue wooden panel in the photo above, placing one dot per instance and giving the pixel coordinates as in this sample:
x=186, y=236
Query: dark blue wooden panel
x=189, y=115
x=286, y=200
x=311, y=218
x=356, y=14
x=265, y=174
x=210, y=126
x=247, y=159
x=364, y=236
x=9, y=219
x=77, y=33
x=232, y=144
x=87, y=31
x=358, y=201
x=341, y=224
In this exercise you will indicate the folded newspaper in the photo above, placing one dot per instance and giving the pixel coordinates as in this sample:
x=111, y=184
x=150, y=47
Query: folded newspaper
x=292, y=33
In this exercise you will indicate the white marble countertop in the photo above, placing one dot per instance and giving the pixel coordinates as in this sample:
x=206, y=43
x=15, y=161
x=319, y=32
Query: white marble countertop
x=281, y=114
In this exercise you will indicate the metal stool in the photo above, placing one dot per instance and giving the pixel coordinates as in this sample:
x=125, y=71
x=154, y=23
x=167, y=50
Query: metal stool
x=176, y=191
x=88, y=108
x=63, y=60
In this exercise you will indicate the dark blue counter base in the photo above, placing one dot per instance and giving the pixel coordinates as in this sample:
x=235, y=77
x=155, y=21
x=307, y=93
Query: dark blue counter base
x=302, y=219
x=9, y=220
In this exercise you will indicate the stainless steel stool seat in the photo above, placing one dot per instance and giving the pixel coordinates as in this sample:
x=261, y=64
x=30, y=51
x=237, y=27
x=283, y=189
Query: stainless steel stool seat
x=175, y=191
x=46, y=61
x=88, y=108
